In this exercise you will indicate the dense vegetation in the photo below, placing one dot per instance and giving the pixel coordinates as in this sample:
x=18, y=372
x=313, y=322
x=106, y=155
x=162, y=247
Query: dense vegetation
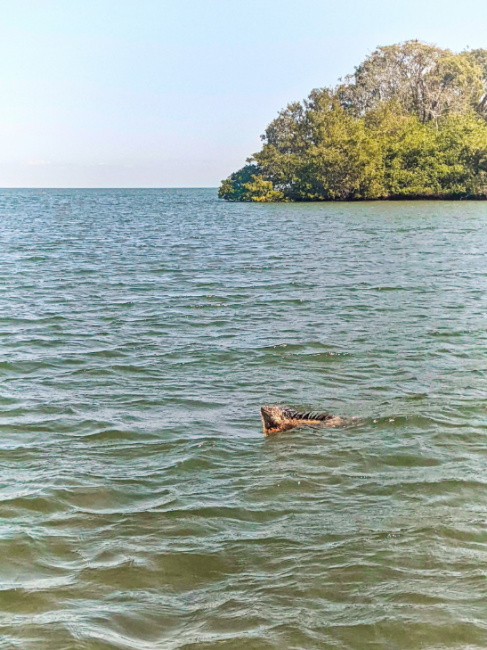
x=411, y=122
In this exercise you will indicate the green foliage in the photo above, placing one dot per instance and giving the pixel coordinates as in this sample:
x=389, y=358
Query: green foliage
x=410, y=123
x=422, y=79
x=247, y=184
x=260, y=191
x=233, y=188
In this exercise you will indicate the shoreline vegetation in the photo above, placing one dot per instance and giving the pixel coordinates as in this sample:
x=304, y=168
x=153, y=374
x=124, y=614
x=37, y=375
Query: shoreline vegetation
x=409, y=123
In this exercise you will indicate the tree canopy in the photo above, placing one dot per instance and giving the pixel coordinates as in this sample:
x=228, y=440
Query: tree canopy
x=411, y=122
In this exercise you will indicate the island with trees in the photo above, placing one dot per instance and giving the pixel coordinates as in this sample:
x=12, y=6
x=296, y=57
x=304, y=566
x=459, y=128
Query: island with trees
x=410, y=123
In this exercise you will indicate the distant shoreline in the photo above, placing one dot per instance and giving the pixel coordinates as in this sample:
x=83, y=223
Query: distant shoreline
x=395, y=199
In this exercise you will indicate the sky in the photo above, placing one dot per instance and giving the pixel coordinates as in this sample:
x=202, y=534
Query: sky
x=175, y=93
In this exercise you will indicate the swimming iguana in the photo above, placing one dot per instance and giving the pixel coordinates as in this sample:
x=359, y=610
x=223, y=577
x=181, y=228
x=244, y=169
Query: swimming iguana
x=276, y=419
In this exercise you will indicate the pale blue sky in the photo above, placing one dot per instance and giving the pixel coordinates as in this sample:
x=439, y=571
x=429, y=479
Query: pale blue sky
x=175, y=93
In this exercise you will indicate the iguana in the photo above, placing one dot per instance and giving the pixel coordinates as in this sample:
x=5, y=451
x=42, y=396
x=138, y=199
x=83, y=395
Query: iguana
x=276, y=419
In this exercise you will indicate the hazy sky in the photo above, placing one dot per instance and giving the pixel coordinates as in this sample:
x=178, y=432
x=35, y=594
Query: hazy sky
x=175, y=93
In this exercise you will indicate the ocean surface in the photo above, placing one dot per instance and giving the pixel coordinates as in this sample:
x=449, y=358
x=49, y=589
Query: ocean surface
x=141, y=506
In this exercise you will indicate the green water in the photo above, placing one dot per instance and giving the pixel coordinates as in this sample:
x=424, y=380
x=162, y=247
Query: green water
x=141, y=507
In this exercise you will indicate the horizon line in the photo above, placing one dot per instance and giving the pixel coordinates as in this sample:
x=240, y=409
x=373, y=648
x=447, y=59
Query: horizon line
x=169, y=187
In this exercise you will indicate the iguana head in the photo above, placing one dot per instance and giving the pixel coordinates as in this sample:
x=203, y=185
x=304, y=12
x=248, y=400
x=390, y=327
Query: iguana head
x=273, y=418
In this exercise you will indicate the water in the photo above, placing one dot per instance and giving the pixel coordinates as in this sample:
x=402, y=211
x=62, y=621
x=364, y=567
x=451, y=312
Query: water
x=141, y=507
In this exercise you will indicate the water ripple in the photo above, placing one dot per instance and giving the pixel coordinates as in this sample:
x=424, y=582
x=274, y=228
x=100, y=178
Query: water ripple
x=142, y=508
